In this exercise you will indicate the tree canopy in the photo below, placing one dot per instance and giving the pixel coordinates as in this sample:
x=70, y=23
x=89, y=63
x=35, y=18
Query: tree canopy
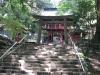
x=17, y=14
x=83, y=11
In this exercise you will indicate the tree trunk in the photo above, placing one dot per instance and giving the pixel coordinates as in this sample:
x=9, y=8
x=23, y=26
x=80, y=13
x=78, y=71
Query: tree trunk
x=97, y=35
x=65, y=32
x=39, y=33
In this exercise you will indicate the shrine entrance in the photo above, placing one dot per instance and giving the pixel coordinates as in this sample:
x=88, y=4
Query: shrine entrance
x=54, y=27
x=53, y=30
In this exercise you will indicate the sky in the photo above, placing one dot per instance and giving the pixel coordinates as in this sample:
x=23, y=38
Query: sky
x=55, y=2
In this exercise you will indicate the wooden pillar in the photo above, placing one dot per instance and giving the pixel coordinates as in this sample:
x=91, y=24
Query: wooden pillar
x=39, y=32
x=65, y=31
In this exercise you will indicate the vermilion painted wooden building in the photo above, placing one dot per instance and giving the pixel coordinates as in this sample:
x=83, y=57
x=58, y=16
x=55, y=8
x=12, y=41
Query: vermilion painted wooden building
x=55, y=25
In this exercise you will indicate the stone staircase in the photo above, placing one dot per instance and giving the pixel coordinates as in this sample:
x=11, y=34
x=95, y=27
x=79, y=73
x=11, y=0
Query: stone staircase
x=30, y=59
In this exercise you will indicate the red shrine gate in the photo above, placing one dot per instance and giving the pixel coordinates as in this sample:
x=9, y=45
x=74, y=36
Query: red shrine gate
x=54, y=29
x=55, y=26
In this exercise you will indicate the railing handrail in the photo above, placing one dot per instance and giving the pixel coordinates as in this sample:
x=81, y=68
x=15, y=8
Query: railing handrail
x=8, y=51
x=77, y=52
x=18, y=46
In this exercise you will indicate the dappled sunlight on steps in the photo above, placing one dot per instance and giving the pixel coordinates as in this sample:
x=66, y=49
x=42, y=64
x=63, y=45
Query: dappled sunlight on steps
x=41, y=60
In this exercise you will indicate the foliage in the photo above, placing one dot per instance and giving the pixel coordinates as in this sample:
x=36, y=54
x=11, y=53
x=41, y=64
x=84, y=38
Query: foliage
x=14, y=26
x=83, y=11
x=65, y=6
x=15, y=14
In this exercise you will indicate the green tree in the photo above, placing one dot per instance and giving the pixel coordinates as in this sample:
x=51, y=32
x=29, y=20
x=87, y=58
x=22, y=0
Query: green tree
x=16, y=13
x=13, y=26
x=20, y=12
x=83, y=12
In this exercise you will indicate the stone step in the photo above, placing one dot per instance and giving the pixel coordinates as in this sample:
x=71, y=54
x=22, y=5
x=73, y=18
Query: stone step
x=57, y=59
x=38, y=60
x=9, y=67
x=9, y=64
x=74, y=73
x=24, y=54
x=65, y=62
x=39, y=68
x=72, y=69
x=71, y=62
x=28, y=50
x=61, y=66
x=11, y=71
x=4, y=74
x=68, y=65
x=33, y=61
x=33, y=65
x=61, y=73
x=36, y=69
x=43, y=73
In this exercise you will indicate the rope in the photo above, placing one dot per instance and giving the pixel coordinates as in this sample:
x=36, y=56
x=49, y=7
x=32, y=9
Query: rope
x=77, y=53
